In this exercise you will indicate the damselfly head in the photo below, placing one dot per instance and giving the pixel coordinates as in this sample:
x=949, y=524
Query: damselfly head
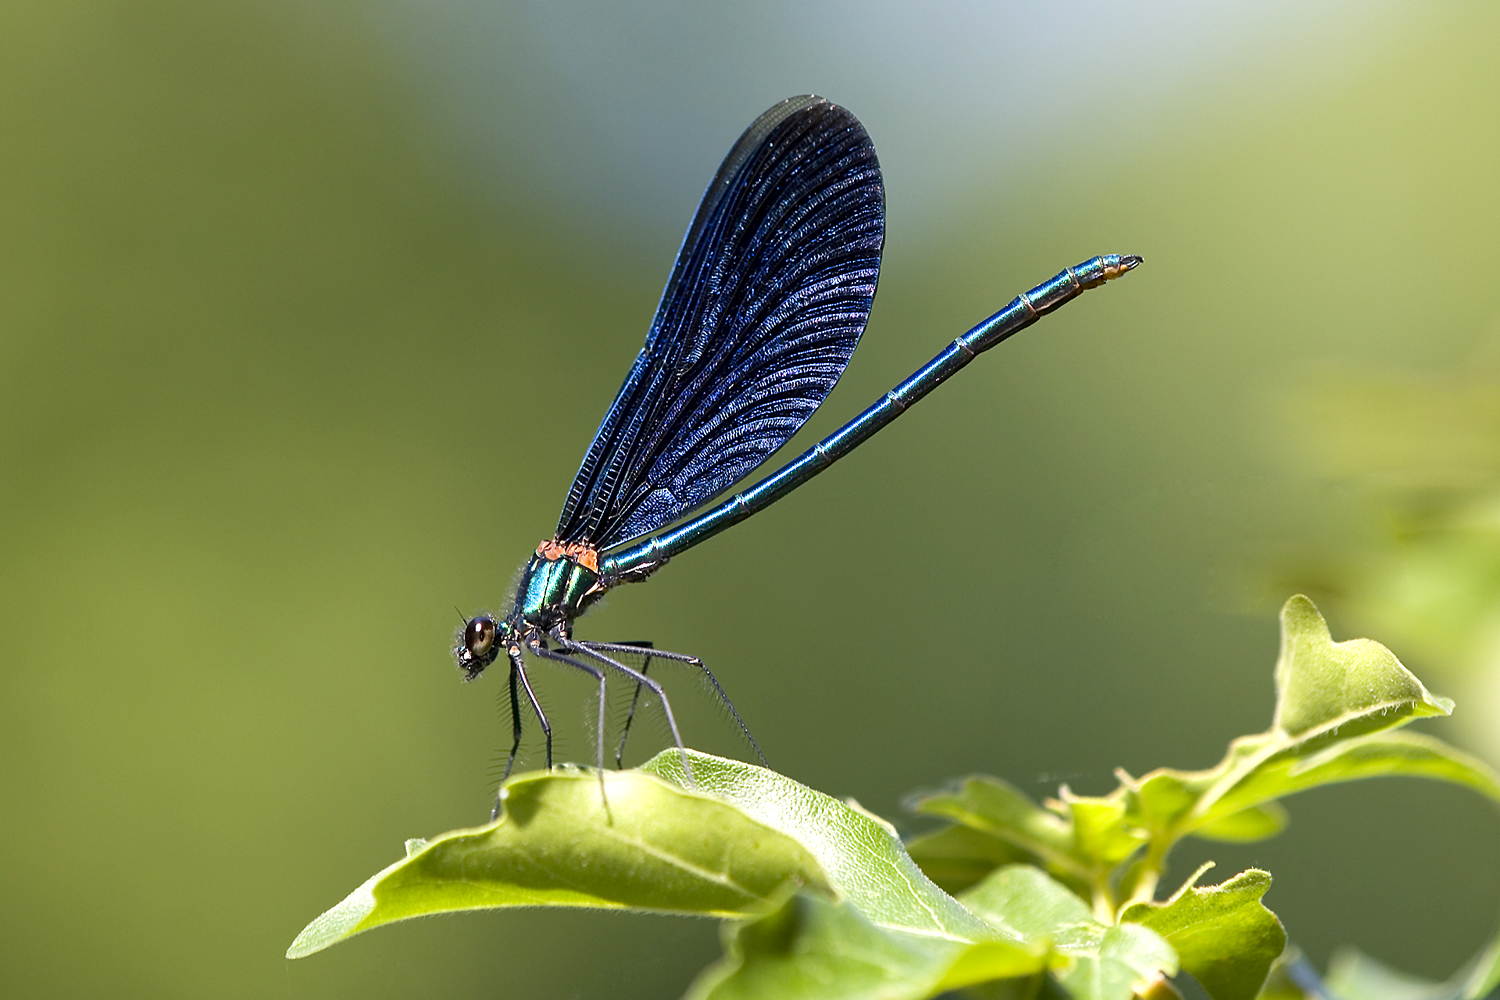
x=477, y=646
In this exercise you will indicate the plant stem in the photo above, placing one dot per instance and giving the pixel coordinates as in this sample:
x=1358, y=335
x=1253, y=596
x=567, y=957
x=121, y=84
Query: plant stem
x=1104, y=899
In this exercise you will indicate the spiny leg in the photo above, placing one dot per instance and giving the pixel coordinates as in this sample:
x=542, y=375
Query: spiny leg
x=518, y=670
x=635, y=699
x=618, y=647
x=515, y=726
x=640, y=678
x=598, y=675
x=536, y=706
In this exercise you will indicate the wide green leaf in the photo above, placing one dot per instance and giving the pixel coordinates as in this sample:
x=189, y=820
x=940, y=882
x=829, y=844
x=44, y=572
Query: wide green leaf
x=645, y=844
x=862, y=855
x=1224, y=936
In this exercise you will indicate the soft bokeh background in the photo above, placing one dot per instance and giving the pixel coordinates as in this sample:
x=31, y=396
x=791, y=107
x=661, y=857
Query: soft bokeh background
x=307, y=311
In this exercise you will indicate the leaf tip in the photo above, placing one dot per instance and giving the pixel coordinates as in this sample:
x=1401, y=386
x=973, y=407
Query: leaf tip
x=337, y=923
x=1300, y=615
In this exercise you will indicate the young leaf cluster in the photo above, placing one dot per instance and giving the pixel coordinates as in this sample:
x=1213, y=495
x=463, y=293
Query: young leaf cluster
x=1014, y=898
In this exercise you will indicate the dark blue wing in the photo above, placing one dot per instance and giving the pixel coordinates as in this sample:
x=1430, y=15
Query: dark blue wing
x=765, y=305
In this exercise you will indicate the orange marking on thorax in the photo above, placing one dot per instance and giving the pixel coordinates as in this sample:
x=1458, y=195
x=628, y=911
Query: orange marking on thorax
x=583, y=554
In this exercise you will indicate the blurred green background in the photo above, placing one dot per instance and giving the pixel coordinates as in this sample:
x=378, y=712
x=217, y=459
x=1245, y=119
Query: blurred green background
x=307, y=312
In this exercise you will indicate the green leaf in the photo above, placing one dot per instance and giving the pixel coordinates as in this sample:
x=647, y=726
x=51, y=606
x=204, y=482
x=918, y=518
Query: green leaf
x=861, y=855
x=1482, y=975
x=1282, y=982
x=1377, y=755
x=655, y=847
x=1100, y=835
x=1224, y=936
x=720, y=849
x=1325, y=686
x=1027, y=904
x=995, y=807
x=957, y=857
x=1102, y=963
x=1330, y=695
x=1128, y=959
x=1336, y=705
x=1353, y=975
x=1246, y=826
x=812, y=947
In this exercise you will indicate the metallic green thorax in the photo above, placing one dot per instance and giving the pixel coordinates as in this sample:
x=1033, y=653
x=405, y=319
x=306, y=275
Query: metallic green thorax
x=552, y=591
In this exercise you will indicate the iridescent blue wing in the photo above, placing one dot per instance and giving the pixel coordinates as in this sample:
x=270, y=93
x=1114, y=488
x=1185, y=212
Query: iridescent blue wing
x=765, y=305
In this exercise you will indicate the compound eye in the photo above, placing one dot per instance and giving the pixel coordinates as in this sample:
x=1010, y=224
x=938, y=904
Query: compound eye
x=479, y=636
